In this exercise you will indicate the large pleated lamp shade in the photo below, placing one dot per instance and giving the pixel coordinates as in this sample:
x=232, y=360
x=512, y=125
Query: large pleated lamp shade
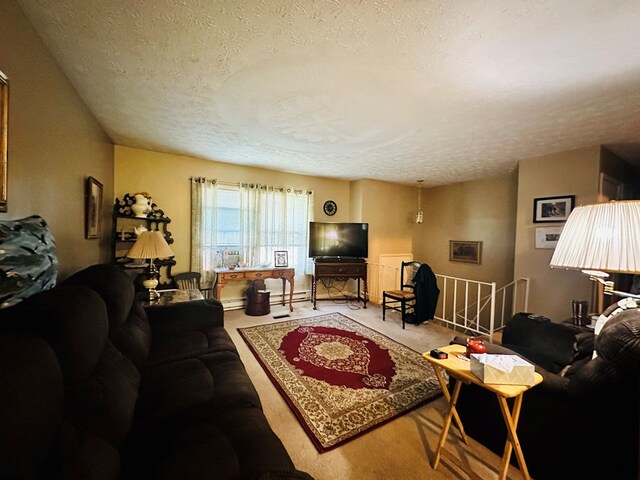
x=150, y=244
x=602, y=237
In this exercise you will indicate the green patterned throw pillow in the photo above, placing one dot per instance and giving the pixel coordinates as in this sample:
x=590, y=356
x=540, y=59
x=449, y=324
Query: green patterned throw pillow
x=28, y=261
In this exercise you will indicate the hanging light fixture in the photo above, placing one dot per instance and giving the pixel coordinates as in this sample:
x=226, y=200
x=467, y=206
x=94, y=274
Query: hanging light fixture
x=419, y=213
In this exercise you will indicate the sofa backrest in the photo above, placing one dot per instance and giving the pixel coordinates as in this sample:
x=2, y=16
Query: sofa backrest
x=129, y=328
x=548, y=344
x=100, y=383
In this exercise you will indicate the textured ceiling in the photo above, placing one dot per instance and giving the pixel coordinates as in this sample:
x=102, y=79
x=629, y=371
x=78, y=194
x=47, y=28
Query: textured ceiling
x=393, y=90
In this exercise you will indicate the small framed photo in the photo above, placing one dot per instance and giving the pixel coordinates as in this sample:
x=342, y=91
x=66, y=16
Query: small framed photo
x=552, y=209
x=281, y=258
x=92, y=207
x=463, y=251
x=547, y=237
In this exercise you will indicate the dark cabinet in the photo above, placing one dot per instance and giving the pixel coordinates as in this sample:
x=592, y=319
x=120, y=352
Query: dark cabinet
x=329, y=271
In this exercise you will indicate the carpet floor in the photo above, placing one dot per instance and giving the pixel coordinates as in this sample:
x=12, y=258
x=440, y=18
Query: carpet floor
x=340, y=377
x=398, y=449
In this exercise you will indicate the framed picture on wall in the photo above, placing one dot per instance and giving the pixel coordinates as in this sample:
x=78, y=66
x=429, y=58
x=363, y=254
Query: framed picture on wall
x=281, y=258
x=4, y=139
x=463, y=251
x=552, y=209
x=93, y=203
x=547, y=237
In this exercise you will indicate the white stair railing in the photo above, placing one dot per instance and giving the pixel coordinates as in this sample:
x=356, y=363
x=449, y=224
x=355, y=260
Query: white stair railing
x=470, y=306
x=479, y=308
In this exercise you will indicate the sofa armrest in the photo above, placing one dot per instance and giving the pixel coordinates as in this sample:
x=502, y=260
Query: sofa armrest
x=549, y=344
x=185, y=316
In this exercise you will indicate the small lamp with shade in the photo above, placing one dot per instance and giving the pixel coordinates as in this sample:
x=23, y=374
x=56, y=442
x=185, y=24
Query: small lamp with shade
x=151, y=245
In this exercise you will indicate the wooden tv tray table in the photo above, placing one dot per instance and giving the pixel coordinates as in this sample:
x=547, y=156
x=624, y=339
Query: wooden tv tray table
x=461, y=370
x=225, y=275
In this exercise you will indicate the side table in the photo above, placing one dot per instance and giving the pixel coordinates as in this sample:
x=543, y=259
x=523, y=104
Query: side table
x=169, y=297
x=460, y=369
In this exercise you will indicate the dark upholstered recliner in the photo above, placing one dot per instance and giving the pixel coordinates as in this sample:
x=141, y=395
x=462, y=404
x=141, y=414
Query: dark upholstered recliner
x=92, y=386
x=582, y=421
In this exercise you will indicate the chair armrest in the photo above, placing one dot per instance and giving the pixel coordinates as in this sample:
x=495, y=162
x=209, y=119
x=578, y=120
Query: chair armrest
x=185, y=316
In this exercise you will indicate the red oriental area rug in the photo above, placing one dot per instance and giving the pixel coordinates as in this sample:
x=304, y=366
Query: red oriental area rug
x=339, y=377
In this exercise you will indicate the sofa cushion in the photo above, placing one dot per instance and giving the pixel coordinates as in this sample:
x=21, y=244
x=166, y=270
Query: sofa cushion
x=619, y=339
x=29, y=263
x=194, y=389
x=73, y=320
x=129, y=328
x=233, y=444
x=31, y=408
x=101, y=384
x=80, y=455
x=189, y=344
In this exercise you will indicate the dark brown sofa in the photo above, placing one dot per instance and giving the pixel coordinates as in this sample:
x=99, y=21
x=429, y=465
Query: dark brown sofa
x=582, y=421
x=93, y=386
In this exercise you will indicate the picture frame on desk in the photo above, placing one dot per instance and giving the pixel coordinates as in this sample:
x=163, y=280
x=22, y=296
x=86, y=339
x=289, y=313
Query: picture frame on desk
x=281, y=258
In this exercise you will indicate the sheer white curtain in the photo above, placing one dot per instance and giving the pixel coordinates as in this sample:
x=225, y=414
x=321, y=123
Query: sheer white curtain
x=204, y=228
x=267, y=219
x=275, y=219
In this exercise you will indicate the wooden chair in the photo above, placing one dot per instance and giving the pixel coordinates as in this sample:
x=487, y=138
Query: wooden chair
x=190, y=281
x=404, y=299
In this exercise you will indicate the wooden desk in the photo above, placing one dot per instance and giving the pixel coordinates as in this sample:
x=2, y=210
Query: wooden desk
x=224, y=275
x=461, y=370
x=339, y=271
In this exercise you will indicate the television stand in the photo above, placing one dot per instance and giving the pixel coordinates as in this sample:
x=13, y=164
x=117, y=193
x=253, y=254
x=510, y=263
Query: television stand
x=339, y=270
x=339, y=260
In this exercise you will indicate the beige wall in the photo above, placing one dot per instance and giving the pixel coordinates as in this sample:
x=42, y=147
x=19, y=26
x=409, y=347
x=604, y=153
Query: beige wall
x=166, y=178
x=54, y=144
x=568, y=173
x=388, y=208
x=475, y=211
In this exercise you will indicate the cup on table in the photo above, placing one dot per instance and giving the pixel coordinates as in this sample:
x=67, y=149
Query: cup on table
x=579, y=311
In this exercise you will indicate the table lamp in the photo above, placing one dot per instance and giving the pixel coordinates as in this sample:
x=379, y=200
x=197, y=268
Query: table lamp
x=150, y=245
x=601, y=238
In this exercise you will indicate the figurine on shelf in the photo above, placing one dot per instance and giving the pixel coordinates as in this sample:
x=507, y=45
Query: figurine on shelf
x=139, y=229
x=142, y=206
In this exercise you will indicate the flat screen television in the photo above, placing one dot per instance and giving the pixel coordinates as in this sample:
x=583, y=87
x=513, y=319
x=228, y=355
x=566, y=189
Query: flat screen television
x=332, y=239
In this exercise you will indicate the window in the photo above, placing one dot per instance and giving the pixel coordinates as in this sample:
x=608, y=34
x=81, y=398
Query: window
x=252, y=220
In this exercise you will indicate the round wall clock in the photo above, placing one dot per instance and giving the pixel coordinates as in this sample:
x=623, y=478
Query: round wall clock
x=330, y=207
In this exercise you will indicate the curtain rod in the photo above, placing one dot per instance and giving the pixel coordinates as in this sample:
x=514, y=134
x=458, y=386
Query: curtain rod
x=215, y=180
x=239, y=184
